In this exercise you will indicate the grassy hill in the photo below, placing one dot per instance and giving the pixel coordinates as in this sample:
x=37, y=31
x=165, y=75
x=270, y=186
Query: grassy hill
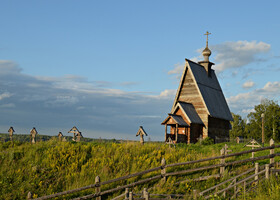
x=51, y=166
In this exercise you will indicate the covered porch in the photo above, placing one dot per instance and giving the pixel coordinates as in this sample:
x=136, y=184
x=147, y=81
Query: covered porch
x=177, y=129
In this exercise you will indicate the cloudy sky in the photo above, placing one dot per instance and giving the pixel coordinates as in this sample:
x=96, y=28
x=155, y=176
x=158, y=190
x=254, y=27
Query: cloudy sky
x=108, y=67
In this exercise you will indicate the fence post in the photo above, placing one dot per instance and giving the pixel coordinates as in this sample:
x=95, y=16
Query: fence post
x=126, y=194
x=253, y=153
x=146, y=194
x=271, y=143
x=29, y=195
x=222, y=161
x=97, y=187
x=163, y=169
x=130, y=196
x=195, y=194
x=276, y=166
x=266, y=171
x=256, y=171
x=235, y=188
x=226, y=148
x=244, y=189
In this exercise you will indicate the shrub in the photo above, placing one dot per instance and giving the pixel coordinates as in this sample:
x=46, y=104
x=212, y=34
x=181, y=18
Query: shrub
x=207, y=141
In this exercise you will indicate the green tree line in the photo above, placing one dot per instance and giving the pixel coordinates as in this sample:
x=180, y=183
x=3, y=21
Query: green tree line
x=251, y=127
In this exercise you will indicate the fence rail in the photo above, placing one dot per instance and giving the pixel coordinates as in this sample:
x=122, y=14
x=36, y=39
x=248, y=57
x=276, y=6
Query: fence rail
x=163, y=174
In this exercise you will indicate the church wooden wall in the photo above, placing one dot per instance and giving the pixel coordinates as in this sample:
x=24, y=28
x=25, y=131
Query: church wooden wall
x=179, y=112
x=196, y=131
x=218, y=127
x=182, y=138
x=213, y=126
x=190, y=94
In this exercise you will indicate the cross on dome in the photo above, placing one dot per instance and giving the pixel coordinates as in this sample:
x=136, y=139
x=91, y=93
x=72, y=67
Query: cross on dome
x=207, y=33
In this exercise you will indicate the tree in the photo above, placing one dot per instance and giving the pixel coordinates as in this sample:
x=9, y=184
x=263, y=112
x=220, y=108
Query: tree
x=271, y=111
x=238, y=126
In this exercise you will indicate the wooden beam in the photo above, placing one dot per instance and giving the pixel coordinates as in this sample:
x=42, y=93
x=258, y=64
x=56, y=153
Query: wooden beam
x=176, y=133
x=165, y=132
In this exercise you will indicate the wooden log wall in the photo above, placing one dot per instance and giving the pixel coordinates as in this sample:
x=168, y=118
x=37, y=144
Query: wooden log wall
x=218, y=127
x=189, y=93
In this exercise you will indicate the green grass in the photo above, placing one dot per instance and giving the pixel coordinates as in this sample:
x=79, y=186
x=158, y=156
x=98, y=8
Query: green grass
x=51, y=166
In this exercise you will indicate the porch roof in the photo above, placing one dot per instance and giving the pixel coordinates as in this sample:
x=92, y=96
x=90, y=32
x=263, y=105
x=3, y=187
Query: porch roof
x=177, y=118
x=189, y=112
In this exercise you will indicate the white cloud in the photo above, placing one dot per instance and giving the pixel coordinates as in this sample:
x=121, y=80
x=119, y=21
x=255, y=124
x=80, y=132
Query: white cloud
x=248, y=84
x=238, y=54
x=5, y=95
x=229, y=55
x=61, y=102
x=9, y=67
x=8, y=105
x=246, y=101
x=247, y=111
x=177, y=70
x=80, y=108
x=167, y=94
x=128, y=84
x=271, y=88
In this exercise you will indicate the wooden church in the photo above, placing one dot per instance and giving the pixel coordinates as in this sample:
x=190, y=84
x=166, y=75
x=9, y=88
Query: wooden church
x=200, y=108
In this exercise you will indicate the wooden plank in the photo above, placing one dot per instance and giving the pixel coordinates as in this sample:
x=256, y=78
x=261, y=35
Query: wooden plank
x=204, y=111
x=203, y=178
x=94, y=185
x=237, y=183
x=189, y=92
x=198, y=106
x=252, y=145
x=194, y=170
x=190, y=98
x=118, y=197
x=187, y=98
x=119, y=188
x=226, y=181
x=188, y=80
x=188, y=85
x=225, y=156
x=275, y=170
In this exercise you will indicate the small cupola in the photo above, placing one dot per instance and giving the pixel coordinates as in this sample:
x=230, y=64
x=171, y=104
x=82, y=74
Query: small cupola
x=206, y=54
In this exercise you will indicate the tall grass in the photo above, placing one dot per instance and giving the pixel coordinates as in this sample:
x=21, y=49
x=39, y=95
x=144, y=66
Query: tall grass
x=52, y=166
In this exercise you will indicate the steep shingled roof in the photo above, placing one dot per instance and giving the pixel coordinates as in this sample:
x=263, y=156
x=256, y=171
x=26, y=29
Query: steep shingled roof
x=210, y=90
x=189, y=112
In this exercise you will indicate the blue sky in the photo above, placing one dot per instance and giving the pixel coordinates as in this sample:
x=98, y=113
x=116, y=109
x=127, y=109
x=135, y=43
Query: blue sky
x=110, y=66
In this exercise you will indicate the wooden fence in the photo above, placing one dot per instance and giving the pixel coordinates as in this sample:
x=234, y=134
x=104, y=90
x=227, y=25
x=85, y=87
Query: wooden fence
x=162, y=174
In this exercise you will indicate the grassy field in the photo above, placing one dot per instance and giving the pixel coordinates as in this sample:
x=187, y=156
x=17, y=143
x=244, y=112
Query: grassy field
x=51, y=166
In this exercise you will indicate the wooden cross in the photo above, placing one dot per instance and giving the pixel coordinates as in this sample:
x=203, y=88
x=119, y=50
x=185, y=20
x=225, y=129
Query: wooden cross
x=200, y=139
x=75, y=132
x=226, y=150
x=78, y=136
x=169, y=141
x=141, y=132
x=33, y=133
x=207, y=33
x=11, y=132
x=60, y=135
x=252, y=143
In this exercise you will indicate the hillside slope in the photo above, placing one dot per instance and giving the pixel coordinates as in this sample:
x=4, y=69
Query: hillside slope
x=52, y=166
